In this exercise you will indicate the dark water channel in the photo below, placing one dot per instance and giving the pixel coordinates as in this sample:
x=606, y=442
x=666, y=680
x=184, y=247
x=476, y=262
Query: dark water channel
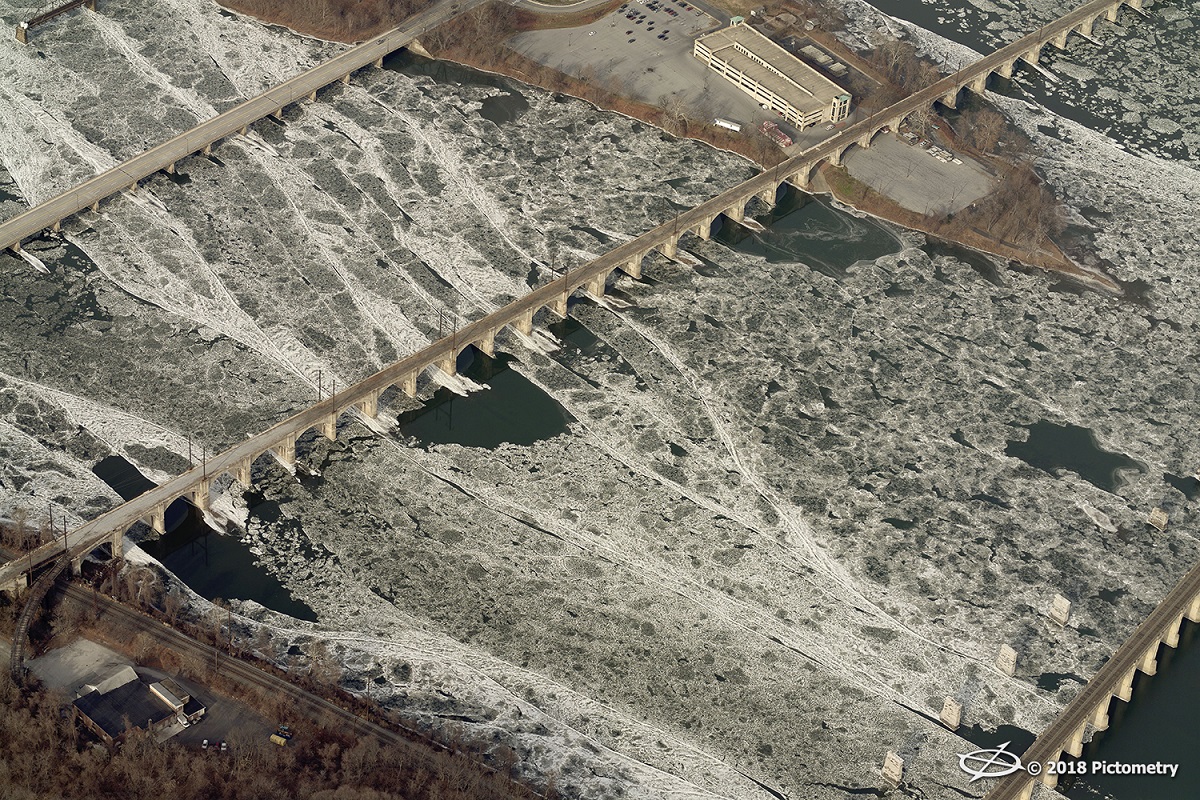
x=810, y=230
x=500, y=109
x=1158, y=725
x=512, y=410
x=211, y=564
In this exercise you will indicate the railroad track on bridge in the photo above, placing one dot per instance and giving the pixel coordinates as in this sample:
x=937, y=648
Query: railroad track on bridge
x=1113, y=677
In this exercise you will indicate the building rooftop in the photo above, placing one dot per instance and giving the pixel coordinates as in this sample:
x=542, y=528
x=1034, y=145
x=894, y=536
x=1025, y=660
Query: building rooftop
x=790, y=78
x=132, y=701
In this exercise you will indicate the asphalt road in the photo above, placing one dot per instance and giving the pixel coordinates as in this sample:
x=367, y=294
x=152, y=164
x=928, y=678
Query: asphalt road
x=123, y=176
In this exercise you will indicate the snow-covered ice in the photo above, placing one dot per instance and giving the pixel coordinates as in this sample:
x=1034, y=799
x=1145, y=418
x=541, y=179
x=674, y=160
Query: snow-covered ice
x=782, y=525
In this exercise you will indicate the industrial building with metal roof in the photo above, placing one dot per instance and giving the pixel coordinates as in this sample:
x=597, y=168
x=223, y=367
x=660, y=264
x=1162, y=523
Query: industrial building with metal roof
x=771, y=75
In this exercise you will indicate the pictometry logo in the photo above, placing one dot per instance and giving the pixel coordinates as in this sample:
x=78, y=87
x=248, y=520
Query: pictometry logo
x=994, y=763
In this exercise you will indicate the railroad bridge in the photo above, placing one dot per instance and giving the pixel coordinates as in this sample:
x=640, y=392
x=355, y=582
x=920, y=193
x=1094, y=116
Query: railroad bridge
x=1088, y=711
x=279, y=441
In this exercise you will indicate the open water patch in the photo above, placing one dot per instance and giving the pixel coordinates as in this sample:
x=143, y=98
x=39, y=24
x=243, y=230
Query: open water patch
x=210, y=564
x=215, y=566
x=816, y=234
x=122, y=477
x=504, y=108
x=1051, y=447
x=513, y=410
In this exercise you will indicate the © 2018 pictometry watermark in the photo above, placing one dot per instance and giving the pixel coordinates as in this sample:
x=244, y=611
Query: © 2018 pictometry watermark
x=998, y=762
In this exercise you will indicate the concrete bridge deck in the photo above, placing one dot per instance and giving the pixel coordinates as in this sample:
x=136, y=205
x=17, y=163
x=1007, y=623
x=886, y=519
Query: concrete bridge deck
x=1090, y=707
x=200, y=139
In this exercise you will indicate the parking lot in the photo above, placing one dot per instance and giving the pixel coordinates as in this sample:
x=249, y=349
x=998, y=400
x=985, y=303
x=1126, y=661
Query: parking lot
x=915, y=178
x=645, y=52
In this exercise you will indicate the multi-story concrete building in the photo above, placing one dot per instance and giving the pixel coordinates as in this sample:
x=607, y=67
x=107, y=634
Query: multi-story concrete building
x=771, y=75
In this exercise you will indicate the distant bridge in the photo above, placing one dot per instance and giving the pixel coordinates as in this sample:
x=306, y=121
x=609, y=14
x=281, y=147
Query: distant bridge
x=592, y=278
x=200, y=139
x=796, y=170
x=23, y=28
x=1089, y=709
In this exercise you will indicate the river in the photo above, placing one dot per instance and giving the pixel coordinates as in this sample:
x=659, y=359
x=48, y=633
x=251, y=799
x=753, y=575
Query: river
x=735, y=531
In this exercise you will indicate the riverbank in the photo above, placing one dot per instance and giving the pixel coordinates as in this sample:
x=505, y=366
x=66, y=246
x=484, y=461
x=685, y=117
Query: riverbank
x=466, y=41
x=848, y=190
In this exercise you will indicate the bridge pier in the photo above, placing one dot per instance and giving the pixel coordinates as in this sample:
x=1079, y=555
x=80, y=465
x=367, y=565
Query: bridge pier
x=312, y=97
x=633, y=267
x=524, y=323
x=1085, y=27
x=1172, y=638
x=77, y=565
x=244, y=130
x=669, y=248
x=950, y=99
x=1149, y=662
x=1125, y=687
x=346, y=78
x=737, y=211
x=486, y=344
x=133, y=187
x=1111, y=13
x=558, y=306
x=1005, y=70
x=595, y=286
x=241, y=472
x=277, y=114
x=864, y=141
x=285, y=451
x=328, y=428
x=408, y=384
x=800, y=179
x=199, y=494
x=23, y=33
x=369, y=405
x=1060, y=41
x=379, y=63
x=96, y=207
x=1031, y=57
x=171, y=168
x=118, y=545
x=1099, y=718
x=56, y=226
x=979, y=85
x=704, y=229
x=448, y=366
x=1075, y=746
x=835, y=158
x=1193, y=610
x=157, y=519
x=768, y=195
x=206, y=150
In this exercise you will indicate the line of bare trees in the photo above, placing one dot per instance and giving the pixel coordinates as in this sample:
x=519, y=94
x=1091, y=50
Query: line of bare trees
x=342, y=20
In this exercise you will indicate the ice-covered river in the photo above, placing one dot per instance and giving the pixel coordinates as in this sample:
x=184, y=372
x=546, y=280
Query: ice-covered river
x=736, y=532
